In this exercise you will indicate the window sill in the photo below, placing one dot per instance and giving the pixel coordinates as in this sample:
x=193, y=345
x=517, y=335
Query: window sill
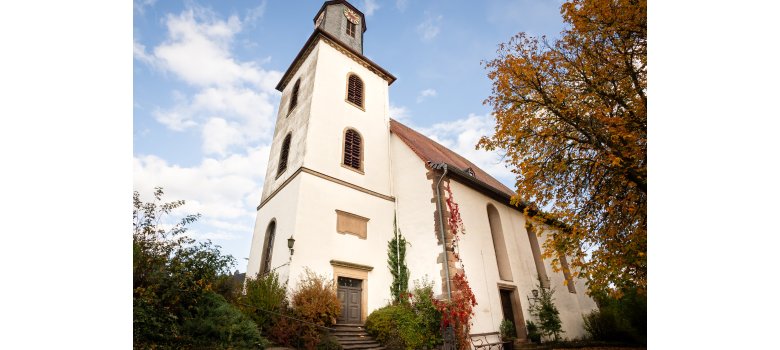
x=359, y=171
x=356, y=106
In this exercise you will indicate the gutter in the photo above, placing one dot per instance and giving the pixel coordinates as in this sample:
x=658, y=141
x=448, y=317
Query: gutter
x=446, y=262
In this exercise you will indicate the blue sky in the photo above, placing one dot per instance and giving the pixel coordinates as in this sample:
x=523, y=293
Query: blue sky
x=204, y=102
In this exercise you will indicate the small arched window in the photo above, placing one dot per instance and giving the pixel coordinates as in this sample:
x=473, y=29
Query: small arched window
x=355, y=90
x=283, y=155
x=268, y=248
x=353, y=150
x=294, y=97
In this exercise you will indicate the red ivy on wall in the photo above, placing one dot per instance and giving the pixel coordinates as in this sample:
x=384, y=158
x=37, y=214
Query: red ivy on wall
x=457, y=312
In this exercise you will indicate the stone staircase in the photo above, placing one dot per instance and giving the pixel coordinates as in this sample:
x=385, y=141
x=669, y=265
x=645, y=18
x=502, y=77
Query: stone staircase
x=354, y=337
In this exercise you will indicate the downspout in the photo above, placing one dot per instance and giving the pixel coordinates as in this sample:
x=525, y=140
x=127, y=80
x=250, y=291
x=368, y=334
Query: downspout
x=446, y=262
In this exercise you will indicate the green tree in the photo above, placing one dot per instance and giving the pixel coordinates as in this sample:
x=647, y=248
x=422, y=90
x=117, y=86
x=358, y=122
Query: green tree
x=571, y=115
x=396, y=263
x=173, y=281
x=546, y=313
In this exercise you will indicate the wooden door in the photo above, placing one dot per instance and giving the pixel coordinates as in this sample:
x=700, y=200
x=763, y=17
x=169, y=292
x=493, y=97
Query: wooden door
x=350, y=295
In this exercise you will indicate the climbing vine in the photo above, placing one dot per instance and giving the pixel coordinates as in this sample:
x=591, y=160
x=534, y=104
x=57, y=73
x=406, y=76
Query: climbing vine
x=458, y=311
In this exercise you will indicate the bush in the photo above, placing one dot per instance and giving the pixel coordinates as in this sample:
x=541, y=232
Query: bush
x=315, y=300
x=507, y=330
x=172, y=273
x=408, y=325
x=217, y=324
x=265, y=297
x=622, y=319
x=285, y=331
x=546, y=313
x=396, y=327
x=533, y=332
x=428, y=316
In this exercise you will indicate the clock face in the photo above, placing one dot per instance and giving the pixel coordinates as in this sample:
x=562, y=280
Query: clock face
x=353, y=17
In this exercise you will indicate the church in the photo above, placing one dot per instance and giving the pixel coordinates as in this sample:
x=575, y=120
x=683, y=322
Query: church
x=341, y=170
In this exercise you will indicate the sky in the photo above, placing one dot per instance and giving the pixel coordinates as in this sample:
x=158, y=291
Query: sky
x=204, y=103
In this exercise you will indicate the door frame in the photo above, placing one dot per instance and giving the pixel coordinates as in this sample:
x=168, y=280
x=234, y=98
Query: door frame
x=517, y=311
x=358, y=272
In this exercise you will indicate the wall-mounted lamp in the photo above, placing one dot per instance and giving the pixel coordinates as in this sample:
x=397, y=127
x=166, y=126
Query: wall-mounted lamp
x=535, y=293
x=290, y=243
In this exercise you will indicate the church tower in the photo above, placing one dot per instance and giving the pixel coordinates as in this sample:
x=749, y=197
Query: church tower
x=328, y=184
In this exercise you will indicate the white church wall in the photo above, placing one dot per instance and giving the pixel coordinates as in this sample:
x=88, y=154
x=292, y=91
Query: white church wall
x=283, y=209
x=317, y=242
x=415, y=210
x=296, y=122
x=331, y=115
x=477, y=252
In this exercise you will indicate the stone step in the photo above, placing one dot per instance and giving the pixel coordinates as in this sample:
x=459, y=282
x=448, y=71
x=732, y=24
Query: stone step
x=357, y=341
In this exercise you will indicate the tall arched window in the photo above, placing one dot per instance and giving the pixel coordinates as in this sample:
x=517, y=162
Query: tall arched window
x=355, y=90
x=537, y=252
x=268, y=248
x=499, y=246
x=283, y=155
x=353, y=150
x=294, y=97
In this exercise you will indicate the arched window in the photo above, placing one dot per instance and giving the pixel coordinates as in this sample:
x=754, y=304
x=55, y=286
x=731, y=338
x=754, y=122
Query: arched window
x=499, y=246
x=353, y=150
x=355, y=90
x=294, y=97
x=283, y=155
x=537, y=253
x=268, y=248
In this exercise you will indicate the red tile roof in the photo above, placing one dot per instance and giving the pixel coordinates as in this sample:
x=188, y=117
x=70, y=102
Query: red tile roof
x=431, y=151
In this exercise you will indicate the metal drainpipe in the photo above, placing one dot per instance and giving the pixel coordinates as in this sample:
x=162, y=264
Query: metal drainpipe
x=441, y=231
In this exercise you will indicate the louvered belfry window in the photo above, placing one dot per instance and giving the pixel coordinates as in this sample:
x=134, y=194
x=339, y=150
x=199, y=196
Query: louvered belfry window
x=352, y=148
x=294, y=97
x=355, y=90
x=283, y=155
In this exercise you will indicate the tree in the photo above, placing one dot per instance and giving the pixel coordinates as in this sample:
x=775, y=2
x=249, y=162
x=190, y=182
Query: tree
x=571, y=115
x=396, y=263
x=173, y=282
x=544, y=310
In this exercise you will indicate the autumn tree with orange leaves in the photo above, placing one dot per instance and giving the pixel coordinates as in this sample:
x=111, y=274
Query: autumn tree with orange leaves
x=571, y=115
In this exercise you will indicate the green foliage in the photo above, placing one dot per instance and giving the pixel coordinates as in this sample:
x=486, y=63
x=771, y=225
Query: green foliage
x=396, y=262
x=412, y=325
x=533, y=331
x=507, y=330
x=174, y=278
x=545, y=311
x=217, y=324
x=328, y=342
x=265, y=296
x=396, y=327
x=621, y=319
x=315, y=300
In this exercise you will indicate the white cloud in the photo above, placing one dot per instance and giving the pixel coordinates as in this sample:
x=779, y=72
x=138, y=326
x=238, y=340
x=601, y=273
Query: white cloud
x=219, y=189
x=399, y=113
x=462, y=135
x=140, y=5
x=429, y=28
x=401, y=5
x=234, y=101
x=425, y=94
x=370, y=6
x=255, y=13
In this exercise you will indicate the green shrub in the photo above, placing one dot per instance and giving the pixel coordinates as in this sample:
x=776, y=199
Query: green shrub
x=396, y=327
x=215, y=323
x=622, y=319
x=545, y=311
x=315, y=300
x=265, y=297
x=285, y=331
x=428, y=316
x=533, y=332
x=507, y=330
x=328, y=342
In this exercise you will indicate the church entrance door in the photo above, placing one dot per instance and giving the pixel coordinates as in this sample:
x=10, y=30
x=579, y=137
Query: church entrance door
x=349, y=292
